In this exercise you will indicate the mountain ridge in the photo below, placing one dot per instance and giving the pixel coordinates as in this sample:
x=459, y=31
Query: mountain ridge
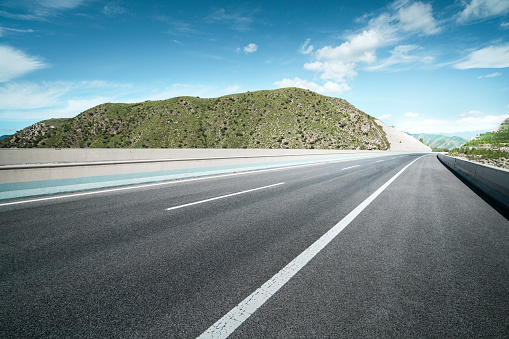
x=440, y=141
x=282, y=118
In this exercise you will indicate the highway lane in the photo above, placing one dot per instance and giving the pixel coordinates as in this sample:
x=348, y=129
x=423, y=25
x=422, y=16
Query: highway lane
x=120, y=264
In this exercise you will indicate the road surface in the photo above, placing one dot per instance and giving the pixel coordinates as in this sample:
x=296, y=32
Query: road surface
x=416, y=253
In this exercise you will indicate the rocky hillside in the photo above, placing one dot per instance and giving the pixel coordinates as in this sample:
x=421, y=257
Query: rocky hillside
x=282, y=118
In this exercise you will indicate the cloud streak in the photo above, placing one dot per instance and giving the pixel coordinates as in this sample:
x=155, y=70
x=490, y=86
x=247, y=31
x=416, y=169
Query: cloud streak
x=15, y=63
x=329, y=88
x=488, y=57
x=492, y=75
x=483, y=9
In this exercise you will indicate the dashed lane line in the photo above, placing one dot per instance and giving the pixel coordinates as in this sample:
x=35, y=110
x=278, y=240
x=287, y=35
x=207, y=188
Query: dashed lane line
x=349, y=167
x=222, y=197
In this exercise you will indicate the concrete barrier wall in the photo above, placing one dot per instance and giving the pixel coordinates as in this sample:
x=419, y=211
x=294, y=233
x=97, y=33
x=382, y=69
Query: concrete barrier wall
x=34, y=172
x=22, y=165
x=491, y=180
x=17, y=156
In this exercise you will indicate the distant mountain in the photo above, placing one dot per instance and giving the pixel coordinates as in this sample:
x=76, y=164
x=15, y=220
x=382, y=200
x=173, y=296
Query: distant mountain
x=467, y=134
x=440, y=141
x=282, y=118
x=2, y=137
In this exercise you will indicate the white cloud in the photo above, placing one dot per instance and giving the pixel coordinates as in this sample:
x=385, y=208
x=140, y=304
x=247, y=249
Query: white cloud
x=64, y=109
x=482, y=9
x=385, y=117
x=450, y=126
x=411, y=115
x=306, y=48
x=507, y=106
x=360, y=48
x=418, y=17
x=333, y=70
x=489, y=57
x=14, y=63
x=329, y=88
x=23, y=101
x=472, y=113
x=29, y=95
x=338, y=63
x=400, y=55
x=250, y=48
x=492, y=75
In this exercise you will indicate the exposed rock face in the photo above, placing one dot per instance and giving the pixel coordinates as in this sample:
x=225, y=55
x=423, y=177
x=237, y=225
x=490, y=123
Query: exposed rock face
x=402, y=142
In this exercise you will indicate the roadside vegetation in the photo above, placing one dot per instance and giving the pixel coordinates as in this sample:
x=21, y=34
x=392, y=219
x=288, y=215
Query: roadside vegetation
x=490, y=148
x=283, y=118
x=439, y=149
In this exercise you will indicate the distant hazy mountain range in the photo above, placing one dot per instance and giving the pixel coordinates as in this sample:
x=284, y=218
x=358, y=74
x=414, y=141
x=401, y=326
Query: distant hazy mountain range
x=2, y=137
x=441, y=141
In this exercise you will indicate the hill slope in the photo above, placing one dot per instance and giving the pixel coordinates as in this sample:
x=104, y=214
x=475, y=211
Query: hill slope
x=440, y=141
x=402, y=142
x=283, y=118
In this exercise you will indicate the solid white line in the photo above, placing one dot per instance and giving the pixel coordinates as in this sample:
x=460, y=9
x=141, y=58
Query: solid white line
x=349, y=167
x=222, y=197
x=240, y=313
x=379, y=160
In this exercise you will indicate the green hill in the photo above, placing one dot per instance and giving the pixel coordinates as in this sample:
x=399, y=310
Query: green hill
x=491, y=148
x=282, y=118
x=440, y=141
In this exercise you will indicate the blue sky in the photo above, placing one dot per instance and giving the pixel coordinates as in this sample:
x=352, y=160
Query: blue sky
x=431, y=67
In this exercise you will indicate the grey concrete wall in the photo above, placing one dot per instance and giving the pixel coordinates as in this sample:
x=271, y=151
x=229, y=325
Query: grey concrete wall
x=16, y=156
x=24, y=165
x=491, y=180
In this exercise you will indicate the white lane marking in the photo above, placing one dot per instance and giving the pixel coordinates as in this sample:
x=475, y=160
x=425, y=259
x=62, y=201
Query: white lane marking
x=223, y=196
x=349, y=167
x=240, y=313
x=379, y=160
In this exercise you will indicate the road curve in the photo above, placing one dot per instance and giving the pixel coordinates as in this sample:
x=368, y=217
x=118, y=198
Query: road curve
x=427, y=257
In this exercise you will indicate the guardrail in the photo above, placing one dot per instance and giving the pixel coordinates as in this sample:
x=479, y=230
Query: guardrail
x=492, y=181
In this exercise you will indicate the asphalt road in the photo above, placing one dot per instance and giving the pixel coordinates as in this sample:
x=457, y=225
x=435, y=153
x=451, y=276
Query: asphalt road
x=428, y=257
